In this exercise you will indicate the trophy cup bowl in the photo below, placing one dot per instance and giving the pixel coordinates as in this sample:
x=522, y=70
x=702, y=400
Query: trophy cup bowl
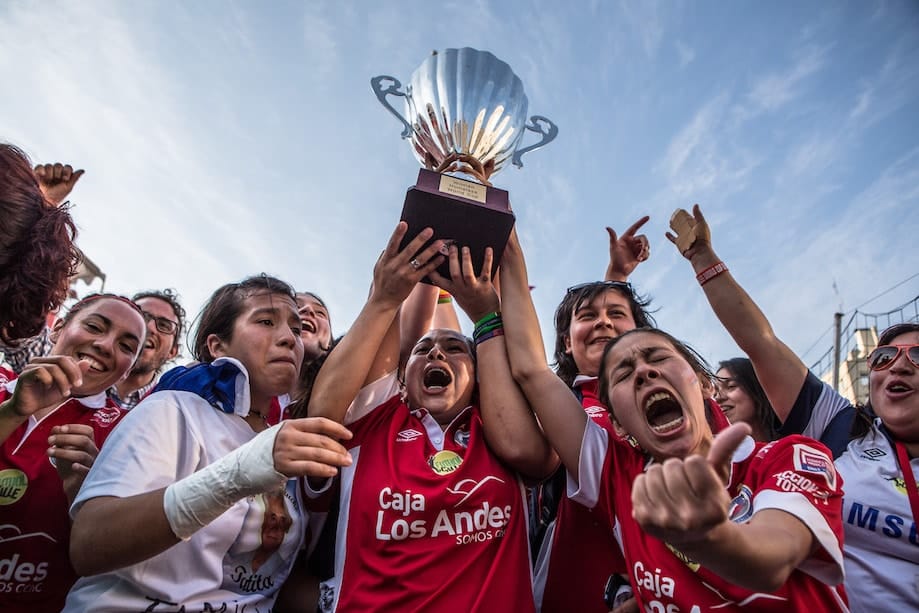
x=468, y=116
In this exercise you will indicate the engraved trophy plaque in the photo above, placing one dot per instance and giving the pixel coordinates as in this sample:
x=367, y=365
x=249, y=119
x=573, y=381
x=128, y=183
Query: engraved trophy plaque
x=465, y=114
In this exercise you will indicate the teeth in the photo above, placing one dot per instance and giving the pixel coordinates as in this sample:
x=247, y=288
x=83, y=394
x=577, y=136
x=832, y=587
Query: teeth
x=94, y=364
x=670, y=425
x=655, y=397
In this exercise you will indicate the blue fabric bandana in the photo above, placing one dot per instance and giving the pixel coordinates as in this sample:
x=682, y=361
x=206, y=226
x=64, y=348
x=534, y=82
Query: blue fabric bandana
x=215, y=382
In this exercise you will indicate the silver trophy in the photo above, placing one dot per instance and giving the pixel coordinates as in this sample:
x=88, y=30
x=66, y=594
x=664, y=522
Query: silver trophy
x=468, y=115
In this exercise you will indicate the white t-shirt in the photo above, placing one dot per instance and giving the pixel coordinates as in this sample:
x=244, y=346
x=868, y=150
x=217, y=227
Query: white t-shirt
x=882, y=544
x=237, y=562
x=881, y=539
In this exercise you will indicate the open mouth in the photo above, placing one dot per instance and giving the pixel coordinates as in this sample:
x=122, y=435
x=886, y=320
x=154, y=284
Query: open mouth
x=149, y=344
x=898, y=387
x=663, y=413
x=436, y=379
x=94, y=364
x=308, y=326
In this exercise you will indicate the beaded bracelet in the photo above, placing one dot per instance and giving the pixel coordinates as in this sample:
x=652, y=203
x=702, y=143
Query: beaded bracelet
x=711, y=272
x=444, y=297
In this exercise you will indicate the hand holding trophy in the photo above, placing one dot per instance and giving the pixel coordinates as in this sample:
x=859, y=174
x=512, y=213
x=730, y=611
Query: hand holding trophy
x=468, y=115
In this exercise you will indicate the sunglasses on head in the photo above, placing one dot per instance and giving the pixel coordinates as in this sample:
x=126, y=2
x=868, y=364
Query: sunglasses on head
x=165, y=326
x=885, y=355
x=607, y=284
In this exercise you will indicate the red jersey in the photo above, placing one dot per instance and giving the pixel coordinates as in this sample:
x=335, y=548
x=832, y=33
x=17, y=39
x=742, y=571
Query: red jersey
x=580, y=551
x=430, y=520
x=794, y=474
x=35, y=570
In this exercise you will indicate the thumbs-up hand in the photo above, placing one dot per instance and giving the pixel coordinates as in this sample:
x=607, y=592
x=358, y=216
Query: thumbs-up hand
x=57, y=181
x=681, y=501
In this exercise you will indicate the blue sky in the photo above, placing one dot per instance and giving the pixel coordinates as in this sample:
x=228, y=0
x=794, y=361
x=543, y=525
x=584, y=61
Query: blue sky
x=223, y=139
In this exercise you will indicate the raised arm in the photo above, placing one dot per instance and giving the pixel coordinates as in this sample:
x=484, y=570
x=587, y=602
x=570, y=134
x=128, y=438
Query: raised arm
x=561, y=415
x=779, y=370
x=56, y=181
x=370, y=349
x=511, y=429
x=626, y=252
x=416, y=317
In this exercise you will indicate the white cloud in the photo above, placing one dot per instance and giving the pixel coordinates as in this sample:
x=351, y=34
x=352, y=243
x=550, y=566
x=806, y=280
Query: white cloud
x=703, y=159
x=646, y=22
x=321, y=40
x=772, y=91
x=685, y=53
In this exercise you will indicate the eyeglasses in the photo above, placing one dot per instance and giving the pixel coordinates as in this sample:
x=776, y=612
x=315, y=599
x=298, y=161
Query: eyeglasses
x=607, y=284
x=163, y=325
x=885, y=355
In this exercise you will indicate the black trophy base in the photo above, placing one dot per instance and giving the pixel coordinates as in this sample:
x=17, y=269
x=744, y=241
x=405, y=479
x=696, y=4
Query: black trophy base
x=468, y=213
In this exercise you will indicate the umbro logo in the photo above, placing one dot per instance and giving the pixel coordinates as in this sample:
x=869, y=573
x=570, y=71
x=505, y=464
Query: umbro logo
x=595, y=410
x=407, y=436
x=874, y=452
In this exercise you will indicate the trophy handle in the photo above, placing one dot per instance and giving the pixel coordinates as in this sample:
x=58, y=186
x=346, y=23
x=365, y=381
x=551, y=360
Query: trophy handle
x=542, y=125
x=377, y=84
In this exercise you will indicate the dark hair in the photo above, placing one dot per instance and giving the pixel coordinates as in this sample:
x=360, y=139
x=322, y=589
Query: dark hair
x=864, y=414
x=696, y=361
x=332, y=340
x=742, y=373
x=308, y=373
x=225, y=305
x=83, y=303
x=170, y=297
x=896, y=330
x=574, y=299
x=37, y=254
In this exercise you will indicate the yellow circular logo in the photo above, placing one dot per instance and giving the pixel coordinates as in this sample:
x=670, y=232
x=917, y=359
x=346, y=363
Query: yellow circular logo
x=444, y=462
x=899, y=484
x=13, y=484
x=692, y=564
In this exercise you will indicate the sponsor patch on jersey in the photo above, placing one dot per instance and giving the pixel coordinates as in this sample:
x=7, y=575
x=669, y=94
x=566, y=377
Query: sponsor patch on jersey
x=873, y=453
x=810, y=460
x=682, y=557
x=105, y=416
x=445, y=462
x=899, y=484
x=407, y=436
x=741, y=508
x=13, y=485
x=793, y=481
x=461, y=438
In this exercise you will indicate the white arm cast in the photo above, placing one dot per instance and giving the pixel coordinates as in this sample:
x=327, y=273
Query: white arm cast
x=200, y=498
